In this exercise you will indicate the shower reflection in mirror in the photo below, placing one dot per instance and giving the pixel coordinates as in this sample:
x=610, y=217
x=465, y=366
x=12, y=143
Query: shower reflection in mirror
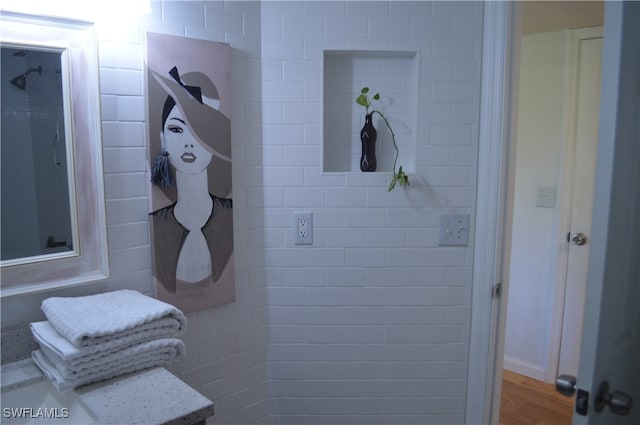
x=36, y=166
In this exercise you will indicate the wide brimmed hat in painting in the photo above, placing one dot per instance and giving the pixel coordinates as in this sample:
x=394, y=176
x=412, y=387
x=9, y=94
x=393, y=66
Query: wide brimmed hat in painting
x=197, y=96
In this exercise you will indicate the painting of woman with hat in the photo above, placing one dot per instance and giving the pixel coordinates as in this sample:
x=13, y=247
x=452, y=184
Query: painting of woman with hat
x=193, y=234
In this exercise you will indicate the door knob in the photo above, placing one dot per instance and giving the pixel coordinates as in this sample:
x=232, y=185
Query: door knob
x=579, y=239
x=619, y=403
x=566, y=385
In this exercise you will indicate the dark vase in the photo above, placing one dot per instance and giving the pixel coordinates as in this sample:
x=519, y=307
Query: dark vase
x=368, y=136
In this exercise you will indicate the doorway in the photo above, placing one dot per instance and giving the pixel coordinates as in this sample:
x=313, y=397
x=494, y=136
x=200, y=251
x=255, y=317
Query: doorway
x=614, y=243
x=551, y=206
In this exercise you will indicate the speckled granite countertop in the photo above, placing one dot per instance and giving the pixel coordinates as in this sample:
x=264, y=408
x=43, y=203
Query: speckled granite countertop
x=152, y=396
x=20, y=373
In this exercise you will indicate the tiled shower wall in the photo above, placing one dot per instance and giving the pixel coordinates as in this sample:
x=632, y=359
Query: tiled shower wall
x=369, y=324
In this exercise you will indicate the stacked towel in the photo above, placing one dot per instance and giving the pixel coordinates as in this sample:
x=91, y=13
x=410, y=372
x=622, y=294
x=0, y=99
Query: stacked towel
x=97, y=337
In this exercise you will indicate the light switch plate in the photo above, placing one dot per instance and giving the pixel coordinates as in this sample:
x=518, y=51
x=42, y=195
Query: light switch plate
x=546, y=197
x=454, y=230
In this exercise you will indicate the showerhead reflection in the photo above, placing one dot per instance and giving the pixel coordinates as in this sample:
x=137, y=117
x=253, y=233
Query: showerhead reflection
x=20, y=81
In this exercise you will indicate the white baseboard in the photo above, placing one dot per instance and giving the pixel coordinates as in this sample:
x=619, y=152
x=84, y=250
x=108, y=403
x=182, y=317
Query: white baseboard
x=524, y=368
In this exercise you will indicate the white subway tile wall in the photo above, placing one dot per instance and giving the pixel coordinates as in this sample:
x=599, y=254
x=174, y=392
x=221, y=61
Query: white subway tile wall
x=227, y=346
x=370, y=324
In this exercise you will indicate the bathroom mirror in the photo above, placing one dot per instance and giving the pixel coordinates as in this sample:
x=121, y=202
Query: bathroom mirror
x=36, y=165
x=53, y=210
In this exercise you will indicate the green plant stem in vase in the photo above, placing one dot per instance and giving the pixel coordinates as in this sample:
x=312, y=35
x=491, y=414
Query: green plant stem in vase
x=399, y=176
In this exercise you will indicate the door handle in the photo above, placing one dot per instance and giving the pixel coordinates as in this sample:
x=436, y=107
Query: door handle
x=619, y=403
x=566, y=385
x=579, y=239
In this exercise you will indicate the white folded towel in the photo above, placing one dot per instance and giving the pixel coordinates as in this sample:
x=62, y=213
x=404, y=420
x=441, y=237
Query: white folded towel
x=95, y=319
x=141, y=356
x=165, y=349
x=49, y=338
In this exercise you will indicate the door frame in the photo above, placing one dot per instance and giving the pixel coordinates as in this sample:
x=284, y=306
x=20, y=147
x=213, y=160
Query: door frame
x=499, y=73
x=498, y=110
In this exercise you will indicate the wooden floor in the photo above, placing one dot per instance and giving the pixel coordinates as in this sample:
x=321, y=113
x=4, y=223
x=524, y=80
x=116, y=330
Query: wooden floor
x=526, y=401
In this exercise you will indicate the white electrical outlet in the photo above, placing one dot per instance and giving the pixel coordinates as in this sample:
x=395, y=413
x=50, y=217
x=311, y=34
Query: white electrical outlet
x=454, y=230
x=303, y=228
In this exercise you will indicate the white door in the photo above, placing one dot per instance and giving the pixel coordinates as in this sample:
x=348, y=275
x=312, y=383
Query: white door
x=588, y=101
x=611, y=328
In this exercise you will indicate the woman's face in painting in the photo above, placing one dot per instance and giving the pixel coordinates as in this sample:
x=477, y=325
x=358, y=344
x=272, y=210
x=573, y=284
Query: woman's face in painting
x=186, y=153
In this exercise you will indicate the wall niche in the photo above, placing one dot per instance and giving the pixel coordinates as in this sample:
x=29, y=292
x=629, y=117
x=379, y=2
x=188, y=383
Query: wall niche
x=392, y=73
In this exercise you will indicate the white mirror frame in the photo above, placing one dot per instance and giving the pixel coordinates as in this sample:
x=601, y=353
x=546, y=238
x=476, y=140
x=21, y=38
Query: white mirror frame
x=88, y=262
